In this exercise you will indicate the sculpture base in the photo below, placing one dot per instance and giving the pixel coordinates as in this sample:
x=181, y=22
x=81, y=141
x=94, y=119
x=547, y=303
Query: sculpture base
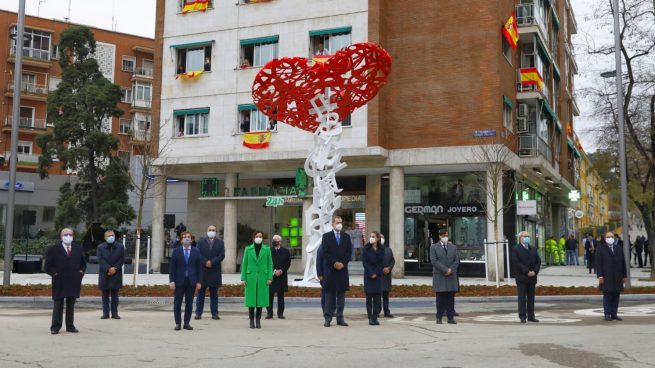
x=303, y=283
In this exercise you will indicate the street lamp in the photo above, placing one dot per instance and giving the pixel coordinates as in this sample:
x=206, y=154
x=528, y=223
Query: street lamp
x=620, y=122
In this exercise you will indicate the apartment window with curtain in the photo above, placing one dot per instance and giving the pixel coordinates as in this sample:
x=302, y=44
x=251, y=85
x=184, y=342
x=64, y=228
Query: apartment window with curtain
x=191, y=122
x=253, y=120
x=193, y=57
x=329, y=41
x=258, y=51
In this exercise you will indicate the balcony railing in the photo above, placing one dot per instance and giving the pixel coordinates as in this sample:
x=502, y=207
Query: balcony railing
x=531, y=146
x=40, y=89
x=145, y=104
x=141, y=135
x=521, y=87
x=27, y=122
x=143, y=72
x=531, y=15
x=33, y=53
x=24, y=158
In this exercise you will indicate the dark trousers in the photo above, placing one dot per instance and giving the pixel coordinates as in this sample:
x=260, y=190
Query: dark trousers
x=611, y=303
x=185, y=291
x=639, y=259
x=646, y=254
x=525, y=293
x=446, y=304
x=334, y=299
x=213, y=300
x=255, y=312
x=385, y=303
x=58, y=312
x=106, y=294
x=280, y=303
x=373, y=305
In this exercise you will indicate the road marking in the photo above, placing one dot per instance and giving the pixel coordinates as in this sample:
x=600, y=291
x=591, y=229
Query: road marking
x=640, y=311
x=512, y=317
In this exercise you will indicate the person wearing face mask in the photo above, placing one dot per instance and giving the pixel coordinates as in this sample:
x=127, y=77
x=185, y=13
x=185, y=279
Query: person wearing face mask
x=256, y=276
x=337, y=249
x=185, y=274
x=388, y=263
x=526, y=262
x=212, y=253
x=64, y=262
x=612, y=274
x=445, y=284
x=281, y=263
x=373, y=261
x=111, y=257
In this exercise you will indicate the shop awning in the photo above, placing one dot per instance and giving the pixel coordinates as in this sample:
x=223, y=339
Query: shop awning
x=507, y=101
x=191, y=44
x=555, y=18
x=260, y=40
x=203, y=110
x=549, y=111
x=247, y=107
x=556, y=72
x=558, y=125
x=330, y=31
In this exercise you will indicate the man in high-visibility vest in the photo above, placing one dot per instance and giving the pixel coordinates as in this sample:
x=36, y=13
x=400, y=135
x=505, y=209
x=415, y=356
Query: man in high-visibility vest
x=561, y=247
x=552, y=252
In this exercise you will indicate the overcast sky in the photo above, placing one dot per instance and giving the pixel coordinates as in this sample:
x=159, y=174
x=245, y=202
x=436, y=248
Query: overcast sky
x=138, y=17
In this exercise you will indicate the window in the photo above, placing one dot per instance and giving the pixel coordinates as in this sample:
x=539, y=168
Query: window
x=329, y=41
x=24, y=148
x=141, y=122
x=193, y=58
x=210, y=3
x=55, y=52
x=507, y=50
x=48, y=214
x=126, y=95
x=26, y=117
x=259, y=51
x=142, y=91
x=28, y=83
x=124, y=126
x=128, y=64
x=37, y=44
x=253, y=120
x=191, y=122
x=507, y=113
x=124, y=158
x=347, y=121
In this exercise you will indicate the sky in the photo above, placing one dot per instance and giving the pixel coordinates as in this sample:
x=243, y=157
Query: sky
x=138, y=17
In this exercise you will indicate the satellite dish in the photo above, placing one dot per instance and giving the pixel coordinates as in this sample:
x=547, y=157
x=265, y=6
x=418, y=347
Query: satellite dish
x=579, y=214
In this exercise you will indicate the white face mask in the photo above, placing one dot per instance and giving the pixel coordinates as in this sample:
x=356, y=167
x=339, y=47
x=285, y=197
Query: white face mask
x=444, y=240
x=258, y=240
x=67, y=239
x=338, y=227
x=609, y=241
x=382, y=241
x=186, y=241
x=371, y=240
x=110, y=240
x=211, y=234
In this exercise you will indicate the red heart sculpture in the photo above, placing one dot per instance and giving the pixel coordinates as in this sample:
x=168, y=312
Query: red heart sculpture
x=284, y=87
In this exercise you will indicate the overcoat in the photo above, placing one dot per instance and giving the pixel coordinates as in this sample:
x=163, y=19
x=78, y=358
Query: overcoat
x=389, y=261
x=110, y=256
x=441, y=262
x=281, y=261
x=255, y=271
x=336, y=280
x=212, y=277
x=611, y=267
x=524, y=261
x=373, y=261
x=66, y=271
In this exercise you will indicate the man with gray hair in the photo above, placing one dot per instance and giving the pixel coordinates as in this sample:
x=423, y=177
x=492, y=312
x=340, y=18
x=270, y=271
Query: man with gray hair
x=280, y=284
x=526, y=263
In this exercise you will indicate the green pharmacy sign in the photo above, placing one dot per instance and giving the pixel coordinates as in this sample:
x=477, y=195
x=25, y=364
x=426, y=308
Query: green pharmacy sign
x=209, y=187
x=293, y=232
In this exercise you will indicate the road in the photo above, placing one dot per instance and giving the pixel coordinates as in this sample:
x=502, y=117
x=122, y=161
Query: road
x=570, y=334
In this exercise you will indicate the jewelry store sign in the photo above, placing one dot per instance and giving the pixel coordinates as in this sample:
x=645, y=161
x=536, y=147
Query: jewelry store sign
x=464, y=209
x=526, y=208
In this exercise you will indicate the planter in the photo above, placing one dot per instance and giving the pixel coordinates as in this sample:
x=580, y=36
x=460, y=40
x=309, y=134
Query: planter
x=30, y=263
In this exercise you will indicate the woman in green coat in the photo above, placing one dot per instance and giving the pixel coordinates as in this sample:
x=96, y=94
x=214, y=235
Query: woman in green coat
x=256, y=275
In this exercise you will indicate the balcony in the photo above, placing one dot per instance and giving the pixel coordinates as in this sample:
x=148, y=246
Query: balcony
x=30, y=91
x=141, y=105
x=32, y=56
x=26, y=123
x=143, y=73
x=531, y=89
x=532, y=18
x=531, y=146
x=140, y=135
x=24, y=159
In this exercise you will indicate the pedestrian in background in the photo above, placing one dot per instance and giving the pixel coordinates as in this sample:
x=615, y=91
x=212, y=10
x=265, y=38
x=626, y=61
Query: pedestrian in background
x=111, y=257
x=445, y=263
x=612, y=274
x=572, y=251
x=590, y=253
x=373, y=261
x=256, y=276
x=526, y=263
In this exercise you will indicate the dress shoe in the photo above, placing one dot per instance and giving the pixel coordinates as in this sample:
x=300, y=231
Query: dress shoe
x=197, y=317
x=456, y=314
x=116, y=317
x=177, y=327
x=608, y=318
x=376, y=322
x=326, y=324
x=452, y=322
x=281, y=317
x=269, y=317
x=617, y=318
x=523, y=320
x=54, y=332
x=72, y=330
x=439, y=321
x=188, y=327
x=104, y=317
x=258, y=324
x=388, y=315
x=533, y=320
x=215, y=316
x=370, y=322
x=342, y=323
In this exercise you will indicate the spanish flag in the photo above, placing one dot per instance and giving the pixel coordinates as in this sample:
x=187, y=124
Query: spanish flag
x=321, y=59
x=531, y=77
x=511, y=31
x=193, y=6
x=257, y=140
x=190, y=74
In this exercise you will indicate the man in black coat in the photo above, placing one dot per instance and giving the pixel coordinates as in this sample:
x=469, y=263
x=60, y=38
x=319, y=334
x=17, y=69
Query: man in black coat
x=526, y=263
x=64, y=262
x=612, y=274
x=111, y=257
x=337, y=251
x=389, y=263
x=280, y=284
x=212, y=253
x=639, y=249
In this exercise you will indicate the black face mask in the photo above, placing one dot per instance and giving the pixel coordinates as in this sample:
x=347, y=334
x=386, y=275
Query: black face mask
x=276, y=244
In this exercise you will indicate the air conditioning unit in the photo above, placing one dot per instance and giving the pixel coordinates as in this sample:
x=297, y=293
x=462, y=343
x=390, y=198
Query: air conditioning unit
x=523, y=110
x=522, y=125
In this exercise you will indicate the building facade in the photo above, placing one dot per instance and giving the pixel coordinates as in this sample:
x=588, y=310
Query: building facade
x=420, y=155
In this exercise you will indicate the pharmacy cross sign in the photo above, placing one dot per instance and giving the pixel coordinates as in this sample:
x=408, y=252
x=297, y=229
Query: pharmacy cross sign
x=574, y=195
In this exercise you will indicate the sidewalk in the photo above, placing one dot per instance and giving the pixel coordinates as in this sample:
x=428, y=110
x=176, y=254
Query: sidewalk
x=564, y=276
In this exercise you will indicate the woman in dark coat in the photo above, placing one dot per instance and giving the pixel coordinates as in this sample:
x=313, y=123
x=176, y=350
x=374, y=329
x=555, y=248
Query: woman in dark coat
x=373, y=260
x=590, y=252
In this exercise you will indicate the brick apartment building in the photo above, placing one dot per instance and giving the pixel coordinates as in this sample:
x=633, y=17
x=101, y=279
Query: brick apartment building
x=455, y=85
x=124, y=59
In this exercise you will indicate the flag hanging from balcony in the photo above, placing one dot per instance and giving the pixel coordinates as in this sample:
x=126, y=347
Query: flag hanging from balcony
x=193, y=6
x=256, y=140
x=189, y=75
x=511, y=31
x=321, y=59
x=530, y=77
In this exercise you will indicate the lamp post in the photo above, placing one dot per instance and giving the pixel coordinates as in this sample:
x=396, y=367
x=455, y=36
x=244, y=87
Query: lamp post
x=621, y=125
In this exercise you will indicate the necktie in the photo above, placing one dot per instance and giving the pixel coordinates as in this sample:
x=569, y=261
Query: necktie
x=612, y=249
x=186, y=255
x=338, y=237
x=445, y=249
x=68, y=250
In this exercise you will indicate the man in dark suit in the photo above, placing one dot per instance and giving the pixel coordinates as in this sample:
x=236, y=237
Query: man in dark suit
x=64, y=262
x=612, y=273
x=526, y=263
x=388, y=264
x=185, y=274
x=111, y=257
x=337, y=251
x=280, y=284
x=212, y=253
x=445, y=262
